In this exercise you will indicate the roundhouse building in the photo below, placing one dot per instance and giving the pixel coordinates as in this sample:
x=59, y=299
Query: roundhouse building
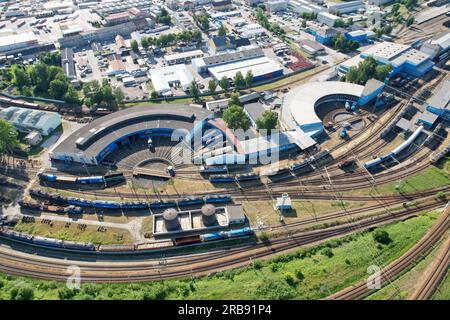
x=94, y=142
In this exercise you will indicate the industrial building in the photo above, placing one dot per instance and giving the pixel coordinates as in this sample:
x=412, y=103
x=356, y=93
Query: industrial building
x=92, y=143
x=276, y=5
x=183, y=57
x=222, y=5
x=304, y=6
x=228, y=43
x=346, y=7
x=299, y=107
x=203, y=64
x=27, y=120
x=322, y=34
x=163, y=78
x=327, y=18
x=251, y=30
x=439, y=104
x=403, y=58
x=68, y=64
x=262, y=69
x=437, y=48
x=17, y=42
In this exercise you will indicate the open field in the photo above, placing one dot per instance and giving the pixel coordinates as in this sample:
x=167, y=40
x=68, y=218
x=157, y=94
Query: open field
x=310, y=273
x=59, y=230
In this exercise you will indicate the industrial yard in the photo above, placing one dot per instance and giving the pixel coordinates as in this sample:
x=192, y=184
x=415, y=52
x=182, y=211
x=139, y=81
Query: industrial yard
x=252, y=142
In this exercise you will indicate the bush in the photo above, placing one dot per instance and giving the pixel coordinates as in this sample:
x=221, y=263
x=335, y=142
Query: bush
x=274, y=267
x=382, y=237
x=441, y=196
x=66, y=293
x=264, y=237
x=328, y=252
x=289, y=278
x=299, y=275
x=273, y=290
x=257, y=264
x=22, y=291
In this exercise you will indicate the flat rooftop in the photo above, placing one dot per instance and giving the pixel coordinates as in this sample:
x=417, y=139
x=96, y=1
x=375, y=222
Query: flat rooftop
x=441, y=98
x=258, y=66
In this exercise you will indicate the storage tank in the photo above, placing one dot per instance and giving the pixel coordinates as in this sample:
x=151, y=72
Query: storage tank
x=209, y=214
x=170, y=217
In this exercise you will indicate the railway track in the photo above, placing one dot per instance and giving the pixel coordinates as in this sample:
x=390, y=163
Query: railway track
x=402, y=264
x=434, y=278
x=113, y=271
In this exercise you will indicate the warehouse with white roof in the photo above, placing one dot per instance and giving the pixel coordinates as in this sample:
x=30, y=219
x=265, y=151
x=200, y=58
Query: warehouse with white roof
x=163, y=78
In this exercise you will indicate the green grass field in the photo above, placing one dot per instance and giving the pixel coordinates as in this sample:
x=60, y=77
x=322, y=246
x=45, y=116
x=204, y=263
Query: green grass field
x=309, y=273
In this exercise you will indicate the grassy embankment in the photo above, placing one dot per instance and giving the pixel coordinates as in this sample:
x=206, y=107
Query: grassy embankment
x=309, y=273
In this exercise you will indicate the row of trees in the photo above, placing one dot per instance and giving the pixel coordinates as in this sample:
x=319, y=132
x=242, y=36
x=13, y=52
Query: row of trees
x=166, y=40
x=262, y=19
x=367, y=69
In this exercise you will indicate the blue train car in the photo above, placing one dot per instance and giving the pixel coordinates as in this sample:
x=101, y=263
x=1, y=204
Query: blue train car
x=47, y=242
x=372, y=163
x=79, y=202
x=106, y=204
x=190, y=201
x=214, y=236
x=224, y=198
x=207, y=170
x=47, y=177
x=78, y=246
x=240, y=232
x=91, y=180
x=221, y=178
x=299, y=165
x=134, y=205
x=18, y=236
x=162, y=204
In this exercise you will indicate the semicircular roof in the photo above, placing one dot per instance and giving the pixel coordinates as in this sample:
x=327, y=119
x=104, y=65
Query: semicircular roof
x=301, y=101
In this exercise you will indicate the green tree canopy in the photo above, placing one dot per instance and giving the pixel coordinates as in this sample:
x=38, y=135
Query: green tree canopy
x=236, y=118
x=8, y=137
x=134, y=46
x=249, y=78
x=234, y=99
x=267, y=121
x=224, y=83
x=222, y=30
x=194, y=90
x=238, y=80
x=212, y=86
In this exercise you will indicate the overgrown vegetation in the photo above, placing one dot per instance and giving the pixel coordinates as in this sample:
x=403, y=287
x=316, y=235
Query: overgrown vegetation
x=262, y=19
x=8, y=137
x=202, y=21
x=341, y=43
x=102, y=95
x=164, y=17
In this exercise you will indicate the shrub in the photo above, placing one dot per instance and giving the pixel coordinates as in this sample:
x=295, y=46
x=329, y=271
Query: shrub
x=66, y=293
x=289, y=278
x=299, y=275
x=264, y=237
x=274, y=267
x=328, y=252
x=22, y=291
x=273, y=290
x=382, y=237
x=257, y=264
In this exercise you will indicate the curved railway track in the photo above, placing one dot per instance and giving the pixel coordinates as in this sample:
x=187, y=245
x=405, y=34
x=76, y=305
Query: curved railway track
x=436, y=275
x=146, y=270
x=402, y=264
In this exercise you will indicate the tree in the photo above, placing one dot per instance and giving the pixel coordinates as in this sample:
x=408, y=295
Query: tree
x=134, y=46
x=222, y=30
x=72, y=96
x=382, y=72
x=212, y=86
x=20, y=77
x=224, y=83
x=238, y=80
x=248, y=78
x=303, y=23
x=8, y=137
x=154, y=94
x=289, y=278
x=410, y=21
x=22, y=291
x=268, y=121
x=234, y=99
x=58, y=89
x=50, y=58
x=236, y=118
x=92, y=92
x=118, y=96
x=382, y=237
x=194, y=90
x=144, y=43
x=299, y=275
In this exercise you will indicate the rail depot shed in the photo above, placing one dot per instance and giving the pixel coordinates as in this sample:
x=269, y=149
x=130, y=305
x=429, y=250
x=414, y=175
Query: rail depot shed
x=95, y=141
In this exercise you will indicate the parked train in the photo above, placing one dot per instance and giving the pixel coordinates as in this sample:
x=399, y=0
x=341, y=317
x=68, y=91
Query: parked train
x=106, y=180
x=81, y=246
x=236, y=178
x=54, y=209
x=220, y=235
x=101, y=204
x=394, y=153
x=210, y=170
x=436, y=157
x=18, y=103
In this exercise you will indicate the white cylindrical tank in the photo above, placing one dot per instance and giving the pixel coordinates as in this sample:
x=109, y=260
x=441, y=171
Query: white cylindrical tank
x=170, y=217
x=209, y=214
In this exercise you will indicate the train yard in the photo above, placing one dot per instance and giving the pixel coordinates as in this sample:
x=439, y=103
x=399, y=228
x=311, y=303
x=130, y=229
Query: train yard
x=131, y=185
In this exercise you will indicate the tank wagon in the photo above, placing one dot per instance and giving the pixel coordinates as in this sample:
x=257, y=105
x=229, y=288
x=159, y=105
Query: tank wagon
x=106, y=180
